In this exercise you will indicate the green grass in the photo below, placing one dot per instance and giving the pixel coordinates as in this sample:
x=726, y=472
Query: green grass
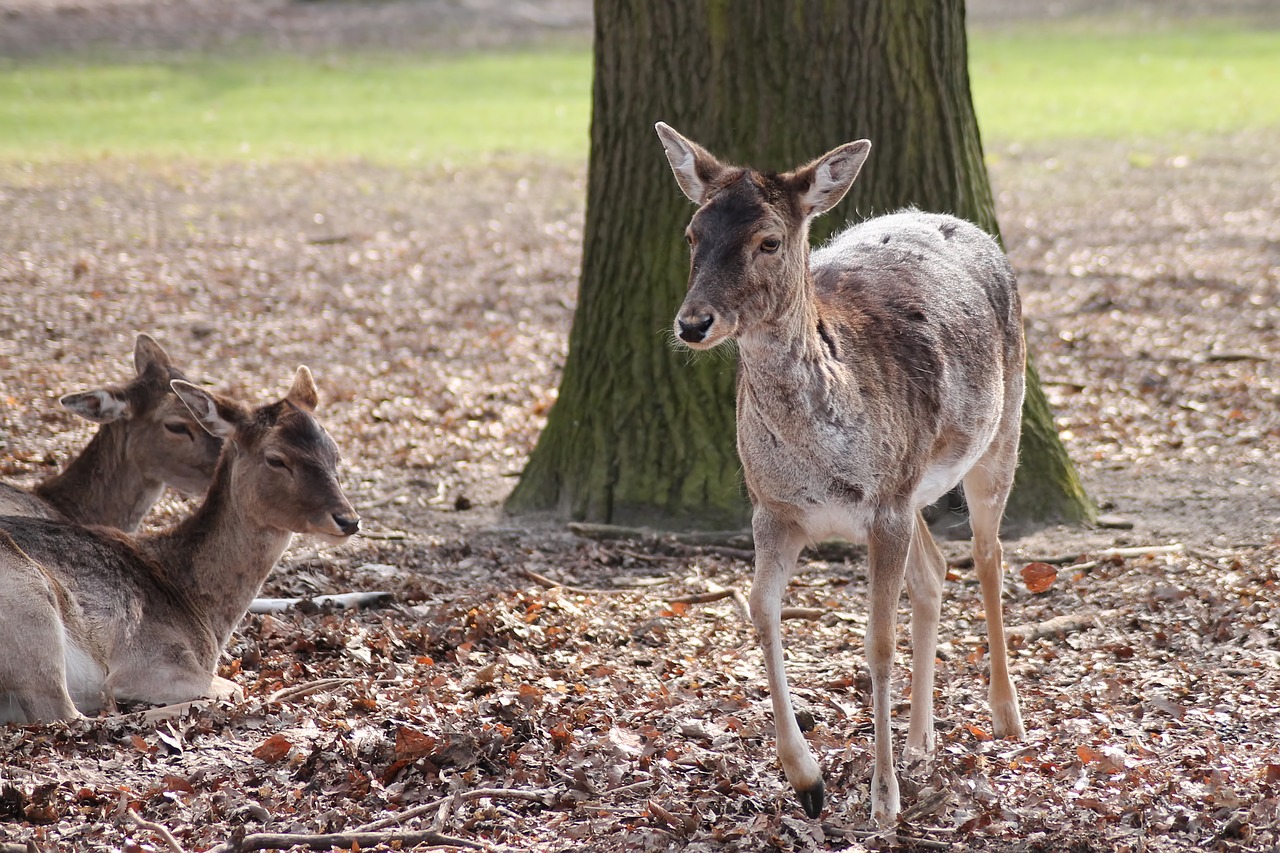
x=391, y=108
x=1034, y=84
x=1029, y=83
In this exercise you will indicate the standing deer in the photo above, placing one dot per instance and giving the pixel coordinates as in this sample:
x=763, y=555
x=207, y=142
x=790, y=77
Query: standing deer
x=147, y=439
x=89, y=615
x=872, y=378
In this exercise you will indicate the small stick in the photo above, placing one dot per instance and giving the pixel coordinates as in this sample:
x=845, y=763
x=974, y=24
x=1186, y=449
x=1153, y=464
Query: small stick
x=810, y=613
x=297, y=691
x=1137, y=551
x=384, y=534
x=156, y=828
x=344, y=840
x=543, y=580
x=1065, y=624
x=745, y=554
x=444, y=813
x=633, y=788
x=343, y=600
x=1141, y=551
x=644, y=558
x=910, y=842
x=702, y=597
x=537, y=795
x=716, y=594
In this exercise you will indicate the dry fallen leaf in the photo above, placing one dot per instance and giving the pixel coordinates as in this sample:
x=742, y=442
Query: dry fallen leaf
x=1038, y=577
x=273, y=749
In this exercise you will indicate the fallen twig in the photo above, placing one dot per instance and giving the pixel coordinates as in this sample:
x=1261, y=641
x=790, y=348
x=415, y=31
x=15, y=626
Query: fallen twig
x=644, y=558
x=537, y=795
x=702, y=597
x=611, y=532
x=344, y=840
x=810, y=613
x=747, y=555
x=168, y=712
x=1065, y=624
x=550, y=583
x=634, y=788
x=1105, y=553
x=717, y=593
x=165, y=835
x=344, y=601
x=891, y=835
x=297, y=691
x=384, y=534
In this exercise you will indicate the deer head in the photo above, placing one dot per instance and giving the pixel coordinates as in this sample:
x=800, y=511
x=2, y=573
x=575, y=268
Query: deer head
x=285, y=466
x=749, y=239
x=158, y=436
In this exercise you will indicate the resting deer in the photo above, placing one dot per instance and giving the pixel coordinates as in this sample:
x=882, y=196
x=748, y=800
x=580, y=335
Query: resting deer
x=872, y=378
x=99, y=616
x=147, y=439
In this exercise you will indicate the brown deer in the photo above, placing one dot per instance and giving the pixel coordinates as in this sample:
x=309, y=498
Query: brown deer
x=96, y=615
x=146, y=439
x=872, y=377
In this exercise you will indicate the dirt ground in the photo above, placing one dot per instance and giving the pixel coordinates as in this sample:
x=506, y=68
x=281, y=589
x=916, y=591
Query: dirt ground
x=563, y=676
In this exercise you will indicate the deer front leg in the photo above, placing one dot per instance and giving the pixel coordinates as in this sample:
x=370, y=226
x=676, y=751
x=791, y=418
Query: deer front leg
x=926, y=571
x=886, y=558
x=777, y=547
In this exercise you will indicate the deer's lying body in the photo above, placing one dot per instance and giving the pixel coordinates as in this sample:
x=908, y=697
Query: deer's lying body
x=147, y=439
x=92, y=615
x=872, y=377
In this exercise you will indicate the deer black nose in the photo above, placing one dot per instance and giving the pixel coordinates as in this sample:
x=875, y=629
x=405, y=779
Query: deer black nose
x=347, y=524
x=695, y=332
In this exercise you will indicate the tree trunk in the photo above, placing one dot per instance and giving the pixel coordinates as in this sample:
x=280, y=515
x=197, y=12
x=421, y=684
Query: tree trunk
x=643, y=433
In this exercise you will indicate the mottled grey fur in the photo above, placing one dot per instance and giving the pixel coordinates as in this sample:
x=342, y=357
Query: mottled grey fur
x=873, y=377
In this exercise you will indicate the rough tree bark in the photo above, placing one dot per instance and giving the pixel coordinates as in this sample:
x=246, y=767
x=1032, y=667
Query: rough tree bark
x=642, y=433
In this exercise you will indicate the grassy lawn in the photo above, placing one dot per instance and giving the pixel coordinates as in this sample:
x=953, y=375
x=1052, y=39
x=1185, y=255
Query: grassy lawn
x=1029, y=83
x=1037, y=83
x=392, y=108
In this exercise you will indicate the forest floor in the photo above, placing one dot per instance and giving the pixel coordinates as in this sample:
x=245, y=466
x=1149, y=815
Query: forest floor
x=530, y=689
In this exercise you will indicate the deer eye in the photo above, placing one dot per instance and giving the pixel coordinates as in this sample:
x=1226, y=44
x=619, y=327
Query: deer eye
x=769, y=245
x=179, y=428
x=278, y=463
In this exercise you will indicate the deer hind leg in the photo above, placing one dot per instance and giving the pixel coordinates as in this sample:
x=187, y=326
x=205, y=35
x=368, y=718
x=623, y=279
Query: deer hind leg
x=887, y=551
x=986, y=489
x=926, y=571
x=33, y=673
x=777, y=548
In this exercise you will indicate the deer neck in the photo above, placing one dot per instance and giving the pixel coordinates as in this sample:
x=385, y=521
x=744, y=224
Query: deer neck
x=100, y=486
x=221, y=555
x=790, y=370
x=785, y=338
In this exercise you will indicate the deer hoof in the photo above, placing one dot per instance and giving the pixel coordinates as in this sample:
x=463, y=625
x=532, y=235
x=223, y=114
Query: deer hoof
x=811, y=799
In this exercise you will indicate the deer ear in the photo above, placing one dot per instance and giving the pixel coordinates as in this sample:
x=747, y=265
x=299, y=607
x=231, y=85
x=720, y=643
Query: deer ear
x=101, y=406
x=825, y=181
x=219, y=416
x=147, y=352
x=303, y=393
x=695, y=168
